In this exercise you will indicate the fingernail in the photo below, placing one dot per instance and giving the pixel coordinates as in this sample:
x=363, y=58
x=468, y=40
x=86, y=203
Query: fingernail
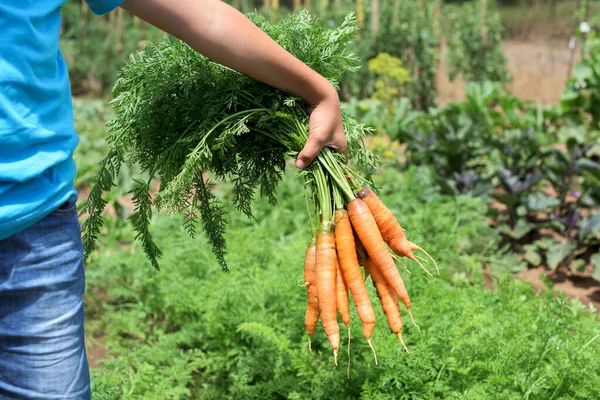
x=301, y=164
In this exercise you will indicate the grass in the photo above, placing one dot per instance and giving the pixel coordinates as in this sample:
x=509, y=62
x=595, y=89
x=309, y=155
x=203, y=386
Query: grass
x=193, y=332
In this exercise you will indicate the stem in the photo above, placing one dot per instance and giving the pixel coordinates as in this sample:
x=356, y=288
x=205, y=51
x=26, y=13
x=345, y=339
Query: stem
x=337, y=198
x=237, y=114
x=336, y=170
x=323, y=191
x=355, y=181
x=310, y=215
x=327, y=159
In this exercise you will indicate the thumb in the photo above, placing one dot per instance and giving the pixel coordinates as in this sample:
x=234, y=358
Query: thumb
x=312, y=147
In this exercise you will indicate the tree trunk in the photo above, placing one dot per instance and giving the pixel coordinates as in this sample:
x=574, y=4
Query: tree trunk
x=395, y=12
x=360, y=13
x=266, y=3
x=436, y=18
x=483, y=19
x=111, y=24
x=374, y=17
x=84, y=13
x=297, y=5
x=307, y=4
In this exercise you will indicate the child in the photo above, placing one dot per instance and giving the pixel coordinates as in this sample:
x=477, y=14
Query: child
x=42, y=351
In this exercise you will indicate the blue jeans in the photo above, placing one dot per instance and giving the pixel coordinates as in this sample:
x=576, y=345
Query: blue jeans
x=42, y=350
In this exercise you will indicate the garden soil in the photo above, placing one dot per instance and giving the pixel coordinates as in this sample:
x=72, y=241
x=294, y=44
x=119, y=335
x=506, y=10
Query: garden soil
x=539, y=68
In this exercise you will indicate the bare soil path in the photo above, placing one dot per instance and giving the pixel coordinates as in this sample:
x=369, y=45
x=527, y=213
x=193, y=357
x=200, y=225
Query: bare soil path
x=539, y=69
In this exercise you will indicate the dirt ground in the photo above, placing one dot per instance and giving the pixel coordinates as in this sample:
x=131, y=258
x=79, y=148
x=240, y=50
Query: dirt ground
x=573, y=284
x=539, y=69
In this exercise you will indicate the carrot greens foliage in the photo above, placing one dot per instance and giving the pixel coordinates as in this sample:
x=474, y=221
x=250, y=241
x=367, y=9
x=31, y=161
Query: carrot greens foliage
x=187, y=121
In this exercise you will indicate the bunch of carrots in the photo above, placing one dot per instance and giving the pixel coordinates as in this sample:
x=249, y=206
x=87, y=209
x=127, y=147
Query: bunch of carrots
x=355, y=229
x=181, y=118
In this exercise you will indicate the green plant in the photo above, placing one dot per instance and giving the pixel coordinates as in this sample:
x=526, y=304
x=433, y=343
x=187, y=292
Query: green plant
x=475, y=43
x=572, y=173
x=537, y=167
x=93, y=48
x=191, y=332
x=207, y=121
x=405, y=31
x=581, y=99
x=391, y=76
x=90, y=118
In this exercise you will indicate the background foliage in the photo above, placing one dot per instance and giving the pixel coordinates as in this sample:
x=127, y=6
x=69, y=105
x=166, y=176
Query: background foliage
x=492, y=184
x=191, y=331
x=97, y=47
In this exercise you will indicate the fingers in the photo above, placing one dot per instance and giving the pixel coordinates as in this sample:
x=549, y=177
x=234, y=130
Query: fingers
x=326, y=129
x=340, y=144
x=313, y=146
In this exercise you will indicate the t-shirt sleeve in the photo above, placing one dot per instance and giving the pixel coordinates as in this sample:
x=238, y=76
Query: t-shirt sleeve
x=101, y=7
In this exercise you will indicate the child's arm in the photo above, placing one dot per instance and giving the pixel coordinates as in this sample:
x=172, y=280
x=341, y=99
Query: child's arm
x=226, y=36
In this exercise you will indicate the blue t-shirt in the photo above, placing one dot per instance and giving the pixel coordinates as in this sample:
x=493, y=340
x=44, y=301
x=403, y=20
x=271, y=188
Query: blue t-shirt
x=37, y=136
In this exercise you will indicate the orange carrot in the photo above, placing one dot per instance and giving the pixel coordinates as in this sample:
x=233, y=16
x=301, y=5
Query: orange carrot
x=341, y=291
x=390, y=229
x=310, y=280
x=346, y=249
x=326, y=282
x=361, y=253
x=366, y=228
x=389, y=301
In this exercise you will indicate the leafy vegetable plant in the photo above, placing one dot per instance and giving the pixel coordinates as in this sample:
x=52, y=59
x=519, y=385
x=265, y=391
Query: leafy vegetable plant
x=189, y=332
x=475, y=43
x=206, y=120
x=537, y=167
x=187, y=120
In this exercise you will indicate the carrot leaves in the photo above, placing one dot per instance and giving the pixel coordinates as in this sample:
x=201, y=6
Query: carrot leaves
x=187, y=121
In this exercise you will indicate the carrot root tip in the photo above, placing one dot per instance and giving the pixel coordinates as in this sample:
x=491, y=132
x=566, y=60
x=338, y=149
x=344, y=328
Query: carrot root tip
x=402, y=342
x=335, y=356
x=348, y=351
x=411, y=317
x=395, y=257
x=415, y=247
x=373, y=349
x=305, y=284
x=422, y=266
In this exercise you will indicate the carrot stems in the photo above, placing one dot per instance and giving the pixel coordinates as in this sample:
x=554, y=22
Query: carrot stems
x=323, y=195
x=337, y=198
x=348, y=351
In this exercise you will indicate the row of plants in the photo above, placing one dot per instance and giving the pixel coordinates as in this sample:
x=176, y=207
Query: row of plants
x=415, y=33
x=190, y=331
x=97, y=47
x=537, y=168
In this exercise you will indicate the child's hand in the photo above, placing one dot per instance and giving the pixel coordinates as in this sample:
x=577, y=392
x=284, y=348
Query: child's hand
x=326, y=130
